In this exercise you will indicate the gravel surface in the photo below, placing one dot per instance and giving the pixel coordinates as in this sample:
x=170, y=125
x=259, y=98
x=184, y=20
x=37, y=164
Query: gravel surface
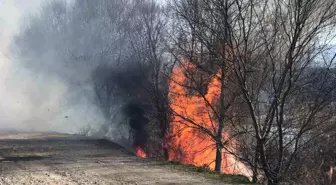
x=38, y=158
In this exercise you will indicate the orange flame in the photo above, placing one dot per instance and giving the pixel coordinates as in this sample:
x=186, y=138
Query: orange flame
x=185, y=142
x=140, y=152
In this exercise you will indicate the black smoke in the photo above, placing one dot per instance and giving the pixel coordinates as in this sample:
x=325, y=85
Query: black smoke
x=123, y=89
x=137, y=122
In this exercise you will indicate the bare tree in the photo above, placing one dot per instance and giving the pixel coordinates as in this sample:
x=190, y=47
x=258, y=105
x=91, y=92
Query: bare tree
x=276, y=47
x=147, y=43
x=202, y=42
x=271, y=49
x=138, y=74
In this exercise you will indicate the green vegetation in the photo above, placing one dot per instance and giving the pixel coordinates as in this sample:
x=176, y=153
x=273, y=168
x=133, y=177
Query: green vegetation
x=232, y=179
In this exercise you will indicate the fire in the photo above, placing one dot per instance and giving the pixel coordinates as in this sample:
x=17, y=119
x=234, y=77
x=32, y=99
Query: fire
x=185, y=142
x=140, y=152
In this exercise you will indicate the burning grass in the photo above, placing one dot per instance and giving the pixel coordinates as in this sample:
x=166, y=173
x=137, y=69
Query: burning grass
x=140, y=153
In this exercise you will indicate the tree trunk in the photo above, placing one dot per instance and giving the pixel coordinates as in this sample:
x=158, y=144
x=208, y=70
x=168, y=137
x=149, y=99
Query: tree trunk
x=255, y=167
x=254, y=177
x=219, y=140
x=218, y=162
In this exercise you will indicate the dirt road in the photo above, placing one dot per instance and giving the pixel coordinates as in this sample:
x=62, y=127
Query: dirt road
x=44, y=159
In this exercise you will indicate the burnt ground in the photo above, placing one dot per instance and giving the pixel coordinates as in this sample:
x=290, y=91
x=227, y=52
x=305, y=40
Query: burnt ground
x=60, y=159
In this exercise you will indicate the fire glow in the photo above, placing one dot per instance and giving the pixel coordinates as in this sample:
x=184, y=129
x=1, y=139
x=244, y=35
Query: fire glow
x=139, y=152
x=186, y=143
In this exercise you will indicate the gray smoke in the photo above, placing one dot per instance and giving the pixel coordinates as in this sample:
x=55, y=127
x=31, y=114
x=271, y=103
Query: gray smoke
x=29, y=101
x=45, y=80
x=71, y=65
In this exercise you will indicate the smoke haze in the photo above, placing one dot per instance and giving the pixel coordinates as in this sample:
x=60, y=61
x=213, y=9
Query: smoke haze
x=33, y=100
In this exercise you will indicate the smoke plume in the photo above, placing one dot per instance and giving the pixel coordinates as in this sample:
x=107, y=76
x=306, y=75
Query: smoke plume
x=68, y=65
